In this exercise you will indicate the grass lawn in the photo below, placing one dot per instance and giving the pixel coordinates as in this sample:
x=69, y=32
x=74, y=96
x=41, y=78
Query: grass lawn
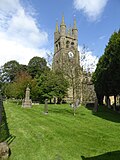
x=62, y=136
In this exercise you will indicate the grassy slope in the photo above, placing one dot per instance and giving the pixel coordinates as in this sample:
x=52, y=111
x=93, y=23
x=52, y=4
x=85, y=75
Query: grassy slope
x=61, y=136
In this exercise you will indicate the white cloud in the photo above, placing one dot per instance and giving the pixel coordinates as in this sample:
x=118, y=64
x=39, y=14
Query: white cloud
x=102, y=37
x=87, y=60
x=12, y=50
x=20, y=37
x=9, y=5
x=91, y=8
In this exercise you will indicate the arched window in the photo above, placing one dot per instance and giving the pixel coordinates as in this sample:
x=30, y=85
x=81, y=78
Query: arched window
x=56, y=46
x=59, y=45
x=72, y=44
x=67, y=44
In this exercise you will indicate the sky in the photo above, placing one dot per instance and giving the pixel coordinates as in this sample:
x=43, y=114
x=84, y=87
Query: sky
x=27, y=26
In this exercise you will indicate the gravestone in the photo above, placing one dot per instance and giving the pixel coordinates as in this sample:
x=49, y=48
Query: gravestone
x=4, y=150
x=95, y=109
x=46, y=106
x=27, y=102
x=75, y=105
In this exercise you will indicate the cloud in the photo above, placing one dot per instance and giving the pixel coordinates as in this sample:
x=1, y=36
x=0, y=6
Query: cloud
x=20, y=36
x=91, y=8
x=13, y=50
x=102, y=37
x=87, y=60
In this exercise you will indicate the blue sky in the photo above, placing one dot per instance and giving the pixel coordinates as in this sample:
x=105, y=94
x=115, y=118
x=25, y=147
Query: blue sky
x=27, y=26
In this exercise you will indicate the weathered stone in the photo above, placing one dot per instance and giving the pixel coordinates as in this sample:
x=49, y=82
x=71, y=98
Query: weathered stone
x=27, y=103
x=95, y=109
x=77, y=103
x=4, y=150
x=46, y=106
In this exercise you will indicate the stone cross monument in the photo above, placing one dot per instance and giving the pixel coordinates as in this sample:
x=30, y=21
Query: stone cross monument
x=27, y=103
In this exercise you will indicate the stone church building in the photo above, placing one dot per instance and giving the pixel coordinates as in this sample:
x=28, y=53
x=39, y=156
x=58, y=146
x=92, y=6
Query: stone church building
x=67, y=59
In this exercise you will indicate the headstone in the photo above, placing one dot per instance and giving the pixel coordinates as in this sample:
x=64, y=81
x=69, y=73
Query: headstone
x=77, y=103
x=46, y=106
x=27, y=103
x=95, y=109
x=71, y=105
x=4, y=150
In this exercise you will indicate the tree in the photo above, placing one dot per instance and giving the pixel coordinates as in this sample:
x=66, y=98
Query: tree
x=49, y=58
x=87, y=60
x=1, y=78
x=107, y=74
x=72, y=71
x=52, y=85
x=23, y=68
x=9, y=71
x=17, y=88
x=99, y=79
x=37, y=66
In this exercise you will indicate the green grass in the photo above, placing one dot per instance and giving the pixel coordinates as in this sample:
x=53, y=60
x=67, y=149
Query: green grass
x=62, y=136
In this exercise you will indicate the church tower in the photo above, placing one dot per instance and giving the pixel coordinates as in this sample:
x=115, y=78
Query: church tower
x=65, y=45
x=66, y=58
x=66, y=55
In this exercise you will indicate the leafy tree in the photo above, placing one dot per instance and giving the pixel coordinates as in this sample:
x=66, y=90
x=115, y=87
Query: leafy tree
x=52, y=85
x=72, y=71
x=9, y=71
x=18, y=87
x=0, y=78
x=107, y=74
x=49, y=58
x=23, y=68
x=37, y=66
x=99, y=79
x=86, y=64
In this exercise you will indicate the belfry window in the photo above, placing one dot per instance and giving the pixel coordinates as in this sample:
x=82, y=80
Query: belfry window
x=56, y=46
x=72, y=44
x=67, y=44
x=59, y=45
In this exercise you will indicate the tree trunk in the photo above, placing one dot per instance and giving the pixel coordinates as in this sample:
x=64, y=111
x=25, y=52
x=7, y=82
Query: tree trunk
x=109, y=103
x=106, y=100
x=100, y=99
x=73, y=90
x=59, y=100
x=114, y=103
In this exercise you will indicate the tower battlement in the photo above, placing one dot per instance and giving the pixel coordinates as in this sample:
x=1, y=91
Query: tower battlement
x=63, y=31
x=65, y=41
